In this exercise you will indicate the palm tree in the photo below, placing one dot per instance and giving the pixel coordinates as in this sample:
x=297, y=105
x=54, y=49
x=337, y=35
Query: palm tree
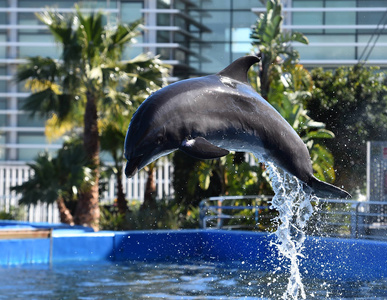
x=274, y=45
x=112, y=141
x=286, y=84
x=58, y=179
x=87, y=82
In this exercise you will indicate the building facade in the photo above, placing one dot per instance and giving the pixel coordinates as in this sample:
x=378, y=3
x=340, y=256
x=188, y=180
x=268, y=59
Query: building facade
x=196, y=37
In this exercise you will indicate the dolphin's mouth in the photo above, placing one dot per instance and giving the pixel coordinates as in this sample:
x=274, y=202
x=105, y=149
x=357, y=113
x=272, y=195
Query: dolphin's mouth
x=132, y=166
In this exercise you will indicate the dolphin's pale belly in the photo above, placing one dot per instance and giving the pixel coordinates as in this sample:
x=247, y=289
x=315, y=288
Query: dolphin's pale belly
x=241, y=143
x=293, y=155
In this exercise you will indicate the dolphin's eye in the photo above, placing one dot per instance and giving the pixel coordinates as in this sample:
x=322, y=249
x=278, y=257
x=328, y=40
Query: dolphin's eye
x=160, y=139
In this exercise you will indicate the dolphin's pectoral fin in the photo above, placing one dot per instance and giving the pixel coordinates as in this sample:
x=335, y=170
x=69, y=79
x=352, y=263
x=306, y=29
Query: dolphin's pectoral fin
x=202, y=149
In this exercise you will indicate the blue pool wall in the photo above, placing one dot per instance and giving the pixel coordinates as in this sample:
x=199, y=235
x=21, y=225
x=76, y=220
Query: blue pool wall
x=326, y=258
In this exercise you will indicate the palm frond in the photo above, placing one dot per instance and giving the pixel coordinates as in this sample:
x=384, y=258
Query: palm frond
x=120, y=36
x=39, y=68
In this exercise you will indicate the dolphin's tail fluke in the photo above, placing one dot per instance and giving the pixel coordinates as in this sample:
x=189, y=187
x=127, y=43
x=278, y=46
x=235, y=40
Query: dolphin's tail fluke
x=325, y=190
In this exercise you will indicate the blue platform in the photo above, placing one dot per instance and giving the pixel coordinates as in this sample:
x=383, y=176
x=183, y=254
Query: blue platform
x=343, y=259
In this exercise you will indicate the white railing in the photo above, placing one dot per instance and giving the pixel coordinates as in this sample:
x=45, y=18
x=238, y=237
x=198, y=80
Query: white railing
x=134, y=188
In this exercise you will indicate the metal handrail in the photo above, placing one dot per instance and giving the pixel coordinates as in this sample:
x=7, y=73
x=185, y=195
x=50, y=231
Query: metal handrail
x=358, y=219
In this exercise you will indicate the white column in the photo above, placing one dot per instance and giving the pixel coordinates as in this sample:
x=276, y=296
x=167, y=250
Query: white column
x=12, y=86
x=150, y=19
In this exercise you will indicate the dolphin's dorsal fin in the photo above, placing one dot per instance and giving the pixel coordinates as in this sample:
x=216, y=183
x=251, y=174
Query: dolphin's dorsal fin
x=202, y=149
x=238, y=69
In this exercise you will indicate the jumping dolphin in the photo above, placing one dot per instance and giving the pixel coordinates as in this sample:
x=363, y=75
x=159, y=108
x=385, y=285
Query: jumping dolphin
x=209, y=116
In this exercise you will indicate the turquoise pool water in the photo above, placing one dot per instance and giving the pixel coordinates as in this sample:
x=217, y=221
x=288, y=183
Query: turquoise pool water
x=185, y=280
x=185, y=264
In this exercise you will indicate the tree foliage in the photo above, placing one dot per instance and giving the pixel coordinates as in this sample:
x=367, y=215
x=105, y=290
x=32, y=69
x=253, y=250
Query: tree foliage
x=274, y=45
x=89, y=83
x=285, y=84
x=352, y=102
x=58, y=179
x=288, y=92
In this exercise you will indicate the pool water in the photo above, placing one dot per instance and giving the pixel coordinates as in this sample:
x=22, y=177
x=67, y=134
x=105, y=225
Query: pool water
x=188, y=280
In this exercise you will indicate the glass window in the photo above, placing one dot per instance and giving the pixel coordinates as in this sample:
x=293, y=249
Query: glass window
x=179, y=21
x=24, y=120
x=307, y=18
x=370, y=18
x=32, y=154
x=240, y=35
x=163, y=3
x=219, y=23
x=3, y=117
x=99, y=4
x=308, y=3
x=217, y=4
x=240, y=49
x=3, y=17
x=246, y=4
x=31, y=138
x=373, y=52
x=348, y=38
x=163, y=36
x=45, y=3
x=340, y=18
x=165, y=53
x=341, y=3
x=3, y=50
x=194, y=61
x=43, y=38
x=241, y=25
x=3, y=120
x=28, y=19
x=179, y=5
x=371, y=3
x=163, y=20
x=21, y=87
x=218, y=55
x=131, y=52
x=53, y=50
x=131, y=11
x=180, y=55
x=2, y=149
x=334, y=52
x=3, y=86
x=197, y=16
x=180, y=38
x=330, y=52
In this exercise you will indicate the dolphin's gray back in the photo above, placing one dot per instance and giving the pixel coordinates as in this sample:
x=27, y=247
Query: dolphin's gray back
x=231, y=115
x=207, y=117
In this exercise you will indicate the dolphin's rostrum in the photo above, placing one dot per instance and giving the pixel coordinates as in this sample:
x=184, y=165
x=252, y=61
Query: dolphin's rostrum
x=209, y=116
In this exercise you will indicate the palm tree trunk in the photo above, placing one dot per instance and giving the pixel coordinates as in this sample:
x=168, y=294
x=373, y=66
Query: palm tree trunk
x=121, y=201
x=150, y=189
x=264, y=76
x=88, y=211
x=64, y=213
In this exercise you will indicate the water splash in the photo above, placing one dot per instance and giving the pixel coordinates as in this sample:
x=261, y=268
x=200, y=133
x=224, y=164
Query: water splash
x=293, y=204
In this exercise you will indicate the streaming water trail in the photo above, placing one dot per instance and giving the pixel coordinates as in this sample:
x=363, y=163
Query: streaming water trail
x=293, y=204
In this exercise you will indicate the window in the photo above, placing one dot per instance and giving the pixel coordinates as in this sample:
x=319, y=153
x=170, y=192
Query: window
x=131, y=11
x=219, y=22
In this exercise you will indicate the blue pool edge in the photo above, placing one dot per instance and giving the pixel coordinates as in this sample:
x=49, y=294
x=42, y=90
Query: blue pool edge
x=326, y=258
